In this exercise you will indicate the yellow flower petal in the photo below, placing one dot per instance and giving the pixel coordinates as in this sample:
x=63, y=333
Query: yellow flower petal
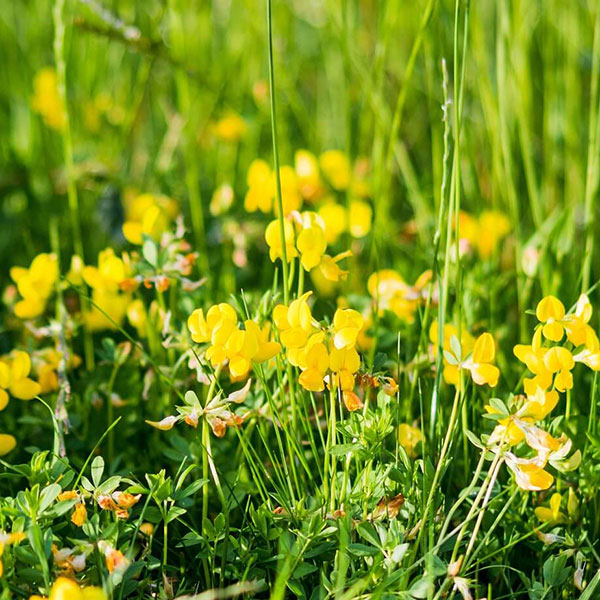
x=7, y=443
x=485, y=349
x=25, y=389
x=550, y=307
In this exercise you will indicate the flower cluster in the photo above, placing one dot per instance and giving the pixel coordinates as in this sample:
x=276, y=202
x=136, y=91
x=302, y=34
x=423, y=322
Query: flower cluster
x=315, y=181
x=229, y=342
x=550, y=363
x=15, y=381
x=147, y=215
x=305, y=238
x=35, y=284
x=390, y=292
x=217, y=412
x=482, y=233
x=473, y=355
x=46, y=99
x=325, y=356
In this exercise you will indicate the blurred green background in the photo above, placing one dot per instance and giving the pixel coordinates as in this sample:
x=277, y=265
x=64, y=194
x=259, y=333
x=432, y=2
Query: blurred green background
x=147, y=79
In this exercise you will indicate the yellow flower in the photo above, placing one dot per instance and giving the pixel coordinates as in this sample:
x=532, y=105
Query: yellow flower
x=550, y=311
x=479, y=364
x=538, y=405
x=230, y=128
x=344, y=363
x=241, y=347
x=7, y=443
x=149, y=215
x=35, y=285
x=14, y=377
x=390, y=292
x=311, y=241
x=290, y=191
x=529, y=475
x=361, y=216
x=46, y=99
x=266, y=349
x=219, y=324
x=334, y=218
x=410, y=437
x=314, y=363
x=68, y=589
x=558, y=359
x=336, y=168
x=493, y=227
x=329, y=269
x=111, y=270
x=79, y=516
x=347, y=324
x=273, y=239
x=260, y=193
x=552, y=514
x=307, y=171
x=294, y=322
x=483, y=233
x=75, y=274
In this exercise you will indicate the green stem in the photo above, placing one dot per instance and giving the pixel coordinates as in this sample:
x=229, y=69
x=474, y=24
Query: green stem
x=280, y=216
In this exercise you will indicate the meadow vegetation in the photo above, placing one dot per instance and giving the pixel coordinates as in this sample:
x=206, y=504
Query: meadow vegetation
x=299, y=299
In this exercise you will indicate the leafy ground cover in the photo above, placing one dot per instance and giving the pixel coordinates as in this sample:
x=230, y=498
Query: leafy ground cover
x=299, y=299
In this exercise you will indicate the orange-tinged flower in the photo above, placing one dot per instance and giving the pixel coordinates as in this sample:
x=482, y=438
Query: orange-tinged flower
x=352, y=401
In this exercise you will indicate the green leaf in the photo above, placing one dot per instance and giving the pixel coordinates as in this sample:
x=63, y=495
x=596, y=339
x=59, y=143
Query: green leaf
x=369, y=533
x=174, y=512
x=555, y=571
x=48, y=496
x=456, y=349
x=150, y=253
x=421, y=588
x=97, y=470
x=474, y=439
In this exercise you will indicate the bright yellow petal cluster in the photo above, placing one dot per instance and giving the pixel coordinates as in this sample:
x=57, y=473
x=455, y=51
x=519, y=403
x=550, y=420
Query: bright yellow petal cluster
x=147, y=215
x=324, y=357
x=35, y=284
x=230, y=128
x=308, y=242
x=229, y=342
x=390, y=292
x=46, y=99
x=483, y=233
x=476, y=355
x=410, y=437
x=262, y=189
x=106, y=280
